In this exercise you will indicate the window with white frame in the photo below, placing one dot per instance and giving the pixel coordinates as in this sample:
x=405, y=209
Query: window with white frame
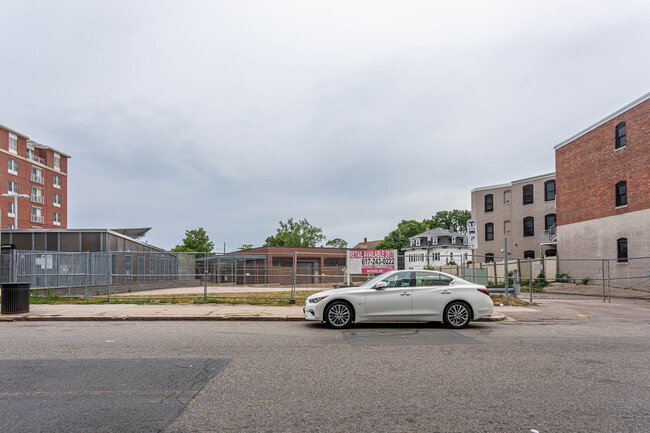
x=37, y=191
x=57, y=181
x=13, y=187
x=417, y=242
x=30, y=153
x=12, y=166
x=57, y=219
x=11, y=212
x=57, y=200
x=57, y=161
x=13, y=143
x=453, y=240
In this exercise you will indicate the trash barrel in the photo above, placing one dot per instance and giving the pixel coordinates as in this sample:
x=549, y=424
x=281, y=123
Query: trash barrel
x=15, y=298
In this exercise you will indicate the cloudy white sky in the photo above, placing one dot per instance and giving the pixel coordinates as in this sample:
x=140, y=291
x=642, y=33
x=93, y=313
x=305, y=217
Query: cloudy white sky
x=234, y=115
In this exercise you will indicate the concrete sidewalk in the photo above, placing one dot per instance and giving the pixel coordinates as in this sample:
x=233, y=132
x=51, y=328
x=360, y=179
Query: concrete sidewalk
x=98, y=312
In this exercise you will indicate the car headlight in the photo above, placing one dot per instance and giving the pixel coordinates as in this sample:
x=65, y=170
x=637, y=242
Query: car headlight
x=316, y=300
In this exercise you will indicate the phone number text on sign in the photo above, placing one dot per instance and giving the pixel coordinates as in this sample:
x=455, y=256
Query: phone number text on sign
x=372, y=261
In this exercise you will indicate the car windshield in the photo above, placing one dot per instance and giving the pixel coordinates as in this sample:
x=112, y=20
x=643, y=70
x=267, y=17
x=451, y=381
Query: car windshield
x=373, y=281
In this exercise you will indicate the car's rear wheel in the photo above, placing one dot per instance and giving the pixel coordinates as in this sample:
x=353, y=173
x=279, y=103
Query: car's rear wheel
x=338, y=315
x=457, y=315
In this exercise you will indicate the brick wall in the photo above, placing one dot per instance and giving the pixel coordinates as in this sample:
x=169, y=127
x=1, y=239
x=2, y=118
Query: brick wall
x=588, y=168
x=23, y=178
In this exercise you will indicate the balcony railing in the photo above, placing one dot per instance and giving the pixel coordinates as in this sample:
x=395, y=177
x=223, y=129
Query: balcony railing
x=37, y=179
x=37, y=159
x=548, y=236
x=38, y=199
x=36, y=218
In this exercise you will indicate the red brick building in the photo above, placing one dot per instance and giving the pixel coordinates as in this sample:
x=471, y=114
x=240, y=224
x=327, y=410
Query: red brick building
x=38, y=171
x=603, y=199
x=280, y=265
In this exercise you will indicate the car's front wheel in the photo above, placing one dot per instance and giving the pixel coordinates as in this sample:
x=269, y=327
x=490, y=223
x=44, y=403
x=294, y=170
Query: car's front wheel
x=457, y=315
x=338, y=315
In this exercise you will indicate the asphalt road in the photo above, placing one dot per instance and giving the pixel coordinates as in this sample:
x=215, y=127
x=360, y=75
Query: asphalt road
x=577, y=365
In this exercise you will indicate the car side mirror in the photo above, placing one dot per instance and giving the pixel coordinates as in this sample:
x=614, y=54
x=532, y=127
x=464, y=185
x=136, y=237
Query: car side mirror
x=451, y=283
x=381, y=285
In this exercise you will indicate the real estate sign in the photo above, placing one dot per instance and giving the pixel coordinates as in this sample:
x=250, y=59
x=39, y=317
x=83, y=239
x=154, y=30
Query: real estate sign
x=371, y=261
x=472, y=237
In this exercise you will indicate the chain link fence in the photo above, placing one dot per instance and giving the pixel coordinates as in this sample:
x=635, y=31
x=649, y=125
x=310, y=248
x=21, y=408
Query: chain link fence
x=285, y=274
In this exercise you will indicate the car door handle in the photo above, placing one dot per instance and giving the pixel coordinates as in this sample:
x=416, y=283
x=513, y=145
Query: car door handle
x=405, y=294
x=445, y=292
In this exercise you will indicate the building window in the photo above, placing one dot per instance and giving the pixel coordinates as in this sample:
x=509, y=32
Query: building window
x=528, y=194
x=10, y=226
x=621, y=194
x=621, y=140
x=57, y=161
x=489, y=258
x=621, y=250
x=549, y=190
x=529, y=226
x=489, y=232
x=530, y=254
x=13, y=143
x=57, y=219
x=550, y=253
x=57, y=181
x=489, y=203
x=11, y=212
x=13, y=187
x=417, y=242
x=549, y=221
x=30, y=154
x=13, y=167
x=57, y=200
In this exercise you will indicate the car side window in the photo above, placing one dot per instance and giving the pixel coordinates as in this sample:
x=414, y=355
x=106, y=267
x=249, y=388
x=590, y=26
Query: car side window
x=426, y=279
x=401, y=279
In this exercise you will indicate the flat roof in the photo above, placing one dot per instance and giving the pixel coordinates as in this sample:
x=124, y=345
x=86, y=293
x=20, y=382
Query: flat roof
x=604, y=120
x=504, y=185
x=110, y=231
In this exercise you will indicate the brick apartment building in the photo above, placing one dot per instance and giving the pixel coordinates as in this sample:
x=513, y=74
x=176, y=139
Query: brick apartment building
x=40, y=172
x=603, y=202
x=523, y=211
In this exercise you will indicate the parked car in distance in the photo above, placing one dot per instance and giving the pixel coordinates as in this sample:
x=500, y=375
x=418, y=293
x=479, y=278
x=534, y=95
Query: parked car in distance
x=402, y=296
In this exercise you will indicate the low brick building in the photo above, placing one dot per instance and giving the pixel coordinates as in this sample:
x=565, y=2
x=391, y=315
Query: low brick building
x=275, y=265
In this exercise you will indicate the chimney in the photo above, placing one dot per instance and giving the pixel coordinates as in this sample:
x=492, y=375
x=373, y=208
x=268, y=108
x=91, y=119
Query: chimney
x=451, y=229
x=365, y=240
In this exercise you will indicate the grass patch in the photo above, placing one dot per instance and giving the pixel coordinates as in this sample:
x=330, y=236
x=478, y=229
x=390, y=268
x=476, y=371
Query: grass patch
x=281, y=299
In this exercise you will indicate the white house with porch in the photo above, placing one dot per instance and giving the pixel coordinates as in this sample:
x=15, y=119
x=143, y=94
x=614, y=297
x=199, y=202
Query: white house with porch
x=436, y=247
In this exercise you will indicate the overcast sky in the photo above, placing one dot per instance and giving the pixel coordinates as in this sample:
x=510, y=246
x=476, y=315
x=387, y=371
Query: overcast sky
x=234, y=115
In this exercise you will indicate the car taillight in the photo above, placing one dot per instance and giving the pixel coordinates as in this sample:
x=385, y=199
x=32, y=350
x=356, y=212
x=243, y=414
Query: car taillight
x=486, y=291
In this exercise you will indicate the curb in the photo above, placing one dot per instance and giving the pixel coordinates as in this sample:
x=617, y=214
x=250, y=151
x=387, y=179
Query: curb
x=148, y=319
x=497, y=318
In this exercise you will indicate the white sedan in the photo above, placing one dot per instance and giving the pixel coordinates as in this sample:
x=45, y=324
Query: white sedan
x=402, y=296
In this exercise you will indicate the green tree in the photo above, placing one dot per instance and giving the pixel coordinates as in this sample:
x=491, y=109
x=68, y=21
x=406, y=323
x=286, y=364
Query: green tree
x=337, y=243
x=398, y=238
x=295, y=234
x=245, y=247
x=456, y=219
x=195, y=241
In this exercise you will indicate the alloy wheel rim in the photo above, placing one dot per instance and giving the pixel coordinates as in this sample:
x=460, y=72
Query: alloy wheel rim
x=457, y=315
x=339, y=315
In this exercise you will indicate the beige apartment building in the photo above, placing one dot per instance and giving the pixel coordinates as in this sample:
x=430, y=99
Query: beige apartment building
x=523, y=211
